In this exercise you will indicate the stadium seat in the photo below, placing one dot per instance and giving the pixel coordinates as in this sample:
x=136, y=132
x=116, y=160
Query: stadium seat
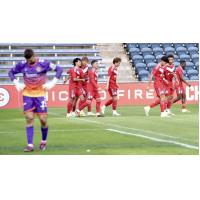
x=137, y=59
x=169, y=50
x=157, y=51
x=176, y=64
x=185, y=57
x=194, y=77
x=192, y=72
x=143, y=45
x=181, y=50
x=165, y=45
x=190, y=64
x=146, y=51
x=144, y=78
x=130, y=45
x=143, y=73
x=135, y=51
x=195, y=58
x=150, y=66
x=177, y=45
x=154, y=45
x=188, y=45
x=158, y=57
x=186, y=78
x=141, y=66
x=197, y=65
x=149, y=58
x=193, y=50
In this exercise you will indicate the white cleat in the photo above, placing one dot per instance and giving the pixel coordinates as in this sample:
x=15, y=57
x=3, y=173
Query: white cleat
x=73, y=114
x=115, y=113
x=164, y=114
x=169, y=112
x=185, y=111
x=146, y=110
x=91, y=114
x=68, y=115
x=82, y=114
x=103, y=109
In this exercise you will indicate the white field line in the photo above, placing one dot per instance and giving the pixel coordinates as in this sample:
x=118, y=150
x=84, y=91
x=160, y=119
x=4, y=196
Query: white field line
x=156, y=139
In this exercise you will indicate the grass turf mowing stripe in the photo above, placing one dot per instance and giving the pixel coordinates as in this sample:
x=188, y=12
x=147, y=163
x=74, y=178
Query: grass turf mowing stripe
x=155, y=139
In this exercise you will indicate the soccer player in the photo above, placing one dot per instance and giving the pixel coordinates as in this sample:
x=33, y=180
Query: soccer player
x=112, y=86
x=34, y=88
x=92, y=89
x=75, y=85
x=180, y=91
x=169, y=74
x=158, y=75
x=85, y=68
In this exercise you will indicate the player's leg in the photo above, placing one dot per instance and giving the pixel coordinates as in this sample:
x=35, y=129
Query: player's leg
x=41, y=111
x=114, y=105
x=108, y=102
x=163, y=105
x=82, y=104
x=70, y=102
x=97, y=97
x=184, y=110
x=74, y=107
x=29, y=116
x=169, y=102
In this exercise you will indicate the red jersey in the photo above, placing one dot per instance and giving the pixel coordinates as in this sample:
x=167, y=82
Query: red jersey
x=158, y=73
x=179, y=75
x=169, y=75
x=75, y=73
x=92, y=83
x=85, y=73
x=112, y=73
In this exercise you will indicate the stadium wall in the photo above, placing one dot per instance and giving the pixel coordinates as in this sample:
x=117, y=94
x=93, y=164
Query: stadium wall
x=129, y=94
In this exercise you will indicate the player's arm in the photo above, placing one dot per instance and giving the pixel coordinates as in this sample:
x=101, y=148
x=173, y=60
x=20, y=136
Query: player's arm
x=184, y=81
x=16, y=70
x=66, y=78
x=92, y=80
x=58, y=70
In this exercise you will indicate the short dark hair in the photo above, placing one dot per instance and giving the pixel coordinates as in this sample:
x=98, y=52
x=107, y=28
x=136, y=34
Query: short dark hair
x=93, y=62
x=170, y=56
x=116, y=60
x=85, y=58
x=182, y=61
x=165, y=59
x=76, y=60
x=28, y=53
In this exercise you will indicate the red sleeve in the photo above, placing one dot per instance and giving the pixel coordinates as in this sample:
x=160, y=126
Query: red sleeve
x=73, y=74
x=110, y=72
x=92, y=80
x=81, y=73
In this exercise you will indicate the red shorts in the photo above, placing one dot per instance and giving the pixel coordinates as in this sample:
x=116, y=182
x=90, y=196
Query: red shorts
x=160, y=91
x=112, y=92
x=76, y=92
x=180, y=90
x=169, y=91
x=93, y=94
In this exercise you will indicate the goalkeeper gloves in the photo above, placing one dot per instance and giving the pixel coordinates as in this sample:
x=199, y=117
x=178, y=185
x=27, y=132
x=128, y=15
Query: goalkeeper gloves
x=50, y=84
x=19, y=86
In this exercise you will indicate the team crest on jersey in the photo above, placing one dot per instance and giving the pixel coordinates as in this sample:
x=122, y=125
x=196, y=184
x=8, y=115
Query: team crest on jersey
x=38, y=69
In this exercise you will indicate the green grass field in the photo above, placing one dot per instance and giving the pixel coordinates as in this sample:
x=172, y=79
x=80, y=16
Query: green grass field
x=131, y=133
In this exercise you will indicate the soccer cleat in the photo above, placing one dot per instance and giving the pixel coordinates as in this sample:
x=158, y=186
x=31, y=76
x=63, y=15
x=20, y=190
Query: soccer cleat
x=103, y=109
x=82, y=114
x=42, y=145
x=169, y=112
x=99, y=115
x=29, y=148
x=73, y=114
x=115, y=113
x=78, y=113
x=164, y=114
x=91, y=114
x=68, y=115
x=146, y=110
x=185, y=111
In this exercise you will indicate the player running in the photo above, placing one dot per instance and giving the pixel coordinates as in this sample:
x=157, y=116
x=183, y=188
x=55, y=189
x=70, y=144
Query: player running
x=158, y=75
x=169, y=73
x=34, y=88
x=180, y=91
x=112, y=86
x=75, y=85
x=92, y=90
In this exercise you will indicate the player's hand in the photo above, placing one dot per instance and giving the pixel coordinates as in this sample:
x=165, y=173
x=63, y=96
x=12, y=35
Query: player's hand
x=19, y=86
x=50, y=84
x=189, y=85
x=147, y=89
x=99, y=89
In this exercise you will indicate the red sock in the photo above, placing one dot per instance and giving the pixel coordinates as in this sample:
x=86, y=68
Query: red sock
x=69, y=106
x=114, y=105
x=169, y=104
x=155, y=103
x=90, y=108
x=98, y=104
x=162, y=106
x=110, y=101
x=74, y=107
x=183, y=106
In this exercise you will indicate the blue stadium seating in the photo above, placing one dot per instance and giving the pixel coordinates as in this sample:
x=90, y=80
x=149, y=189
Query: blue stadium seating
x=187, y=51
x=192, y=72
x=194, y=77
x=134, y=50
x=141, y=66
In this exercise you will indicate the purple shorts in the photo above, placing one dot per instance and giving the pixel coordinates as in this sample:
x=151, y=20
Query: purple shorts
x=35, y=104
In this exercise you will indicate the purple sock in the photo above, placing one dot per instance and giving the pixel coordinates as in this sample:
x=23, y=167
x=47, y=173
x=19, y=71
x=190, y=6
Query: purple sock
x=44, y=133
x=29, y=134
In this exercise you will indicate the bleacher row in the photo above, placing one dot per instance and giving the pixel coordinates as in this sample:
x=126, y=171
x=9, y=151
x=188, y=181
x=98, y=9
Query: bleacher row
x=58, y=53
x=144, y=57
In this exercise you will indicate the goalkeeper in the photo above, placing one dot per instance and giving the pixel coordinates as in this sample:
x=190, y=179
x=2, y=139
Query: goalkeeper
x=34, y=89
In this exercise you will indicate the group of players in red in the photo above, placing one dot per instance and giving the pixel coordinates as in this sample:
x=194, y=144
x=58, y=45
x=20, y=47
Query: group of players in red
x=83, y=86
x=167, y=80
